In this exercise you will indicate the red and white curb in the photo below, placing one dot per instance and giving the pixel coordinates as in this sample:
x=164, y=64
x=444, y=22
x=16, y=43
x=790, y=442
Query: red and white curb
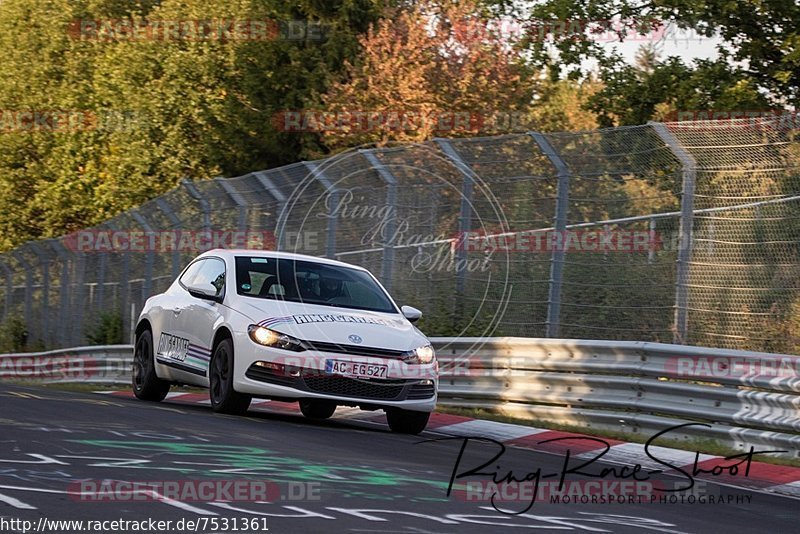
x=776, y=479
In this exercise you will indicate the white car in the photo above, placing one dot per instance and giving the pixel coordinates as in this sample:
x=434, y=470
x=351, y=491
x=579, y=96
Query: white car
x=287, y=327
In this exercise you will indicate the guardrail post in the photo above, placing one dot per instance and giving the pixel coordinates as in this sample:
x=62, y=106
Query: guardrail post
x=176, y=224
x=278, y=195
x=149, y=259
x=464, y=217
x=333, y=193
x=387, y=263
x=28, y=268
x=685, y=243
x=558, y=254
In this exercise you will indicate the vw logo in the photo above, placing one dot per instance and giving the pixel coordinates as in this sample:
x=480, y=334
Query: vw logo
x=354, y=338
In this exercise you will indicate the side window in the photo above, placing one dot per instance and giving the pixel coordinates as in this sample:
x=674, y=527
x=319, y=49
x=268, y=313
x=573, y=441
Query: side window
x=188, y=275
x=212, y=273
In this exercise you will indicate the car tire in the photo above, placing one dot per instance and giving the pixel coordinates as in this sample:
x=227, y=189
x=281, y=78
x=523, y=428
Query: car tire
x=406, y=421
x=317, y=409
x=220, y=382
x=146, y=384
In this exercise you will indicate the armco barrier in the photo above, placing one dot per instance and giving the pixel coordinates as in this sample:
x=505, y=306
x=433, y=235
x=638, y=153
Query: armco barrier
x=107, y=364
x=742, y=398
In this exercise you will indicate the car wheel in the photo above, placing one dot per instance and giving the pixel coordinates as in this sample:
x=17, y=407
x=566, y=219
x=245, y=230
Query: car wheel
x=145, y=382
x=220, y=377
x=406, y=421
x=317, y=409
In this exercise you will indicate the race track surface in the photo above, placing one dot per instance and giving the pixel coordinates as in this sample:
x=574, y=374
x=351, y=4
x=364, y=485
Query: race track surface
x=75, y=456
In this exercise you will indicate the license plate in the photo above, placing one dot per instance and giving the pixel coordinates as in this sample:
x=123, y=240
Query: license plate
x=355, y=369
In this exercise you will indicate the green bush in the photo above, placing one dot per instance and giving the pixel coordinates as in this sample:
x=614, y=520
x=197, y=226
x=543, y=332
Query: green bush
x=13, y=334
x=107, y=330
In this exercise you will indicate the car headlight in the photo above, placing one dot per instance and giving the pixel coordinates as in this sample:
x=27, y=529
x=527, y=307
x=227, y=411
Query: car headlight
x=421, y=355
x=271, y=338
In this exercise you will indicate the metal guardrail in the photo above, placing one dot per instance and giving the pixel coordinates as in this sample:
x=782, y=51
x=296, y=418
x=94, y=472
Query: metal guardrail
x=745, y=398
x=102, y=364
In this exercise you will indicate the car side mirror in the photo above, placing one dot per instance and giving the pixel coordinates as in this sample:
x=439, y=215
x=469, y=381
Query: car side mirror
x=411, y=313
x=204, y=292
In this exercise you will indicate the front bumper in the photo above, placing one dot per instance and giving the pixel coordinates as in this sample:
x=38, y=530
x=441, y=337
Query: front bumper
x=276, y=373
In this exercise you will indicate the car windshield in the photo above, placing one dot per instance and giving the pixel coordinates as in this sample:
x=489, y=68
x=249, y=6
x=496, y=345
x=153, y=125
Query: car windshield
x=309, y=282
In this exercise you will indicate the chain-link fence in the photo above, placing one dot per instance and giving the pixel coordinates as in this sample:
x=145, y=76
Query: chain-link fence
x=684, y=232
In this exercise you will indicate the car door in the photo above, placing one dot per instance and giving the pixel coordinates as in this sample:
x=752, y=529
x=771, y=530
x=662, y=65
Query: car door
x=194, y=319
x=171, y=348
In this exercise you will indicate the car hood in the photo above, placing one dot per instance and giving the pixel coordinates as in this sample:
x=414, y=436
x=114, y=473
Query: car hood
x=330, y=324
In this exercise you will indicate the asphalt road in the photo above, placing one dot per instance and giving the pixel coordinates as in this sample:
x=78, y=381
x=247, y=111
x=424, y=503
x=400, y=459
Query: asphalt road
x=83, y=456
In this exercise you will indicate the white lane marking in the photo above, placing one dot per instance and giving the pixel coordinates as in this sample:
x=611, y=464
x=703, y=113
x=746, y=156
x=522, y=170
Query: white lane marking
x=16, y=503
x=153, y=494
x=489, y=429
x=790, y=488
x=173, y=394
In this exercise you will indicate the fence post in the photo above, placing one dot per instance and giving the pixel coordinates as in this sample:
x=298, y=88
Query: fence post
x=558, y=254
x=464, y=217
x=330, y=189
x=278, y=195
x=42, y=256
x=238, y=199
x=9, y=288
x=78, y=305
x=101, y=280
x=176, y=225
x=688, y=178
x=28, y=268
x=147, y=284
x=204, y=205
x=124, y=281
x=387, y=264
x=63, y=291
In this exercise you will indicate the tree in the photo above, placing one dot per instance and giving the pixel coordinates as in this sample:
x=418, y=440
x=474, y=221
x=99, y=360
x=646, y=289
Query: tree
x=758, y=65
x=156, y=110
x=424, y=67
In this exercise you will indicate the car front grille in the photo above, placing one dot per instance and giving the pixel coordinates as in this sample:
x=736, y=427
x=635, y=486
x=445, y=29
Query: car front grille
x=342, y=386
x=357, y=388
x=354, y=350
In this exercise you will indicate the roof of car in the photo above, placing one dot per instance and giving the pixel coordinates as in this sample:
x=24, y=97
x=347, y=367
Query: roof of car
x=225, y=252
